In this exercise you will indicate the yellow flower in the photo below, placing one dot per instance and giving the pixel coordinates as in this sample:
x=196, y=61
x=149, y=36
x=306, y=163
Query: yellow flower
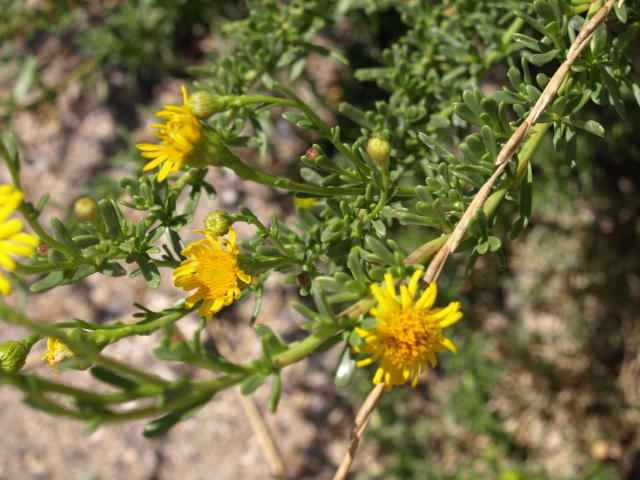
x=56, y=353
x=12, y=239
x=179, y=137
x=407, y=333
x=213, y=270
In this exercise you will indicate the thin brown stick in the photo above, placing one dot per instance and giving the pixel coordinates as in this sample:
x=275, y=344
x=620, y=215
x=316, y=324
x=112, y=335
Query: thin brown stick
x=458, y=234
x=359, y=426
x=269, y=449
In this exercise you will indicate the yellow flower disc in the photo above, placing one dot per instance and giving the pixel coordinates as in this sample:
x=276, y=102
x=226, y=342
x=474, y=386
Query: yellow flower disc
x=213, y=271
x=407, y=333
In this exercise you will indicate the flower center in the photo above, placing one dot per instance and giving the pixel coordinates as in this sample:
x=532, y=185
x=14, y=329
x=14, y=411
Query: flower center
x=215, y=273
x=410, y=337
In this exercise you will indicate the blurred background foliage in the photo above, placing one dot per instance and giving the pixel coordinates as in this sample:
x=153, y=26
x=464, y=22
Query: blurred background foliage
x=546, y=382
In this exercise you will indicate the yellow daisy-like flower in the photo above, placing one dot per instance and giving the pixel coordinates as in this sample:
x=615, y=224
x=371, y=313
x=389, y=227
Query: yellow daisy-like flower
x=12, y=239
x=56, y=353
x=408, y=333
x=179, y=136
x=213, y=270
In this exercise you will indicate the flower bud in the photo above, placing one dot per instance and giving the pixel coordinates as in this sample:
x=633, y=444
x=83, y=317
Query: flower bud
x=86, y=208
x=379, y=150
x=303, y=280
x=204, y=104
x=218, y=222
x=312, y=153
x=13, y=355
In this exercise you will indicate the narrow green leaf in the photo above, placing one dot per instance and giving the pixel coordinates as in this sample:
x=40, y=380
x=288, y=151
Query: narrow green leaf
x=621, y=12
x=251, y=383
x=276, y=390
x=528, y=42
x=542, y=58
x=470, y=99
x=442, y=151
x=510, y=98
x=112, y=378
x=525, y=204
x=471, y=263
x=149, y=270
x=356, y=115
x=164, y=424
x=489, y=141
x=465, y=113
x=376, y=246
x=577, y=101
x=533, y=22
x=62, y=277
x=111, y=219
x=112, y=269
x=590, y=126
x=340, y=250
x=410, y=218
x=61, y=234
x=504, y=118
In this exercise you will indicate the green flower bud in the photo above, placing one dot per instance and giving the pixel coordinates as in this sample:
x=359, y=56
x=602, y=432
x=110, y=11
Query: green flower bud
x=218, y=222
x=379, y=150
x=13, y=355
x=86, y=208
x=204, y=104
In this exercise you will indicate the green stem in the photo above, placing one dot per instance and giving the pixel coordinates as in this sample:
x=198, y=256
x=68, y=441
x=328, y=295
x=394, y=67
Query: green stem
x=44, y=236
x=249, y=99
x=133, y=372
x=275, y=241
x=300, y=350
x=40, y=268
x=384, y=194
x=247, y=173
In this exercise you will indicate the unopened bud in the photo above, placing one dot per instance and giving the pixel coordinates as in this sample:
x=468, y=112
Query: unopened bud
x=218, y=222
x=312, y=154
x=379, y=150
x=204, y=104
x=86, y=208
x=13, y=355
x=303, y=280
